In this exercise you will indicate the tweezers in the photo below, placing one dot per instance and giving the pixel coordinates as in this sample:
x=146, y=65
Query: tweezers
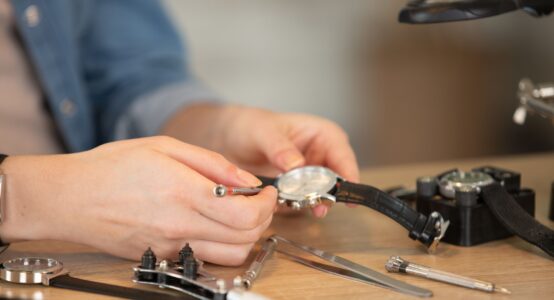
x=348, y=269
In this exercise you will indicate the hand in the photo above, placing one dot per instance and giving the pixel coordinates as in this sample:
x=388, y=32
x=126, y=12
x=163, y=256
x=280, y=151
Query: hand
x=125, y=196
x=267, y=143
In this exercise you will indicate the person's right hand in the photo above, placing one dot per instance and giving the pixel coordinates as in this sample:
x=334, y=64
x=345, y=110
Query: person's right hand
x=124, y=197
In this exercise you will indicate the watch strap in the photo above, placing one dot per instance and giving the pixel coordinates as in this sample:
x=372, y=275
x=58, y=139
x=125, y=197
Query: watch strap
x=504, y=207
x=266, y=180
x=76, y=284
x=396, y=209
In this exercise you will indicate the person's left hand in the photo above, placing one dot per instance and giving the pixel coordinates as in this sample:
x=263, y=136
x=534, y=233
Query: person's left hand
x=267, y=143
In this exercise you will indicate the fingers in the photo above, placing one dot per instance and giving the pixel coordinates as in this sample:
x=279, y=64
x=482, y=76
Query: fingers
x=221, y=253
x=239, y=212
x=209, y=164
x=279, y=150
x=343, y=160
x=207, y=251
x=320, y=211
x=208, y=229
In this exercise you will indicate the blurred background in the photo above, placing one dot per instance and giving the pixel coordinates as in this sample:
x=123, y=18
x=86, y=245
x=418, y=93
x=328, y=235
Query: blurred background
x=404, y=93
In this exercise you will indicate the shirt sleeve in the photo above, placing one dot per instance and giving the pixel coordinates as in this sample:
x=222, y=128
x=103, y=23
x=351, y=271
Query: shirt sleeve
x=147, y=114
x=135, y=68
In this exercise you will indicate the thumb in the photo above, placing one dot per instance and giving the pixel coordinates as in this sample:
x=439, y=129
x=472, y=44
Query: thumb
x=280, y=151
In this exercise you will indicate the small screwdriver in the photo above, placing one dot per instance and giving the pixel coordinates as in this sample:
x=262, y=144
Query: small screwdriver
x=399, y=265
x=221, y=191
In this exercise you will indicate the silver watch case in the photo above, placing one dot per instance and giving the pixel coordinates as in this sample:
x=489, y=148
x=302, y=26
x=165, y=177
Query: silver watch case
x=31, y=270
x=307, y=187
x=463, y=181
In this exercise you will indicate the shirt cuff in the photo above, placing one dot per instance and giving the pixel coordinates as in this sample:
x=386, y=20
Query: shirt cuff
x=148, y=113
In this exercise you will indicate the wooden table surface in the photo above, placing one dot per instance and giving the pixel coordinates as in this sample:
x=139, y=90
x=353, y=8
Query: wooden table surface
x=359, y=234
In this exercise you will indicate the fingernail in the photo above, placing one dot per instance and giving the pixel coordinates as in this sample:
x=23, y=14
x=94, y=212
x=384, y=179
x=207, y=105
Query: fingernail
x=324, y=211
x=247, y=178
x=320, y=211
x=293, y=160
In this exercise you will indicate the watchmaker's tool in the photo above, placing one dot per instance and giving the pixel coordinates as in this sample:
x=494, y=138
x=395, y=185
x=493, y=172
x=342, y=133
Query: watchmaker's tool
x=349, y=269
x=256, y=267
x=221, y=191
x=398, y=265
x=535, y=99
x=188, y=276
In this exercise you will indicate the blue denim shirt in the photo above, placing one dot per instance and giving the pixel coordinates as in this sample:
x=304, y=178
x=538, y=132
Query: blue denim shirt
x=108, y=69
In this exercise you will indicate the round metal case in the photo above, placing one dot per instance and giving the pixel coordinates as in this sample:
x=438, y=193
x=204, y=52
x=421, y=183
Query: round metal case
x=306, y=186
x=449, y=183
x=29, y=270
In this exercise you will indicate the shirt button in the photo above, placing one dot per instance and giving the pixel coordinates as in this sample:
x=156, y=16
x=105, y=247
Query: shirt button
x=67, y=107
x=32, y=16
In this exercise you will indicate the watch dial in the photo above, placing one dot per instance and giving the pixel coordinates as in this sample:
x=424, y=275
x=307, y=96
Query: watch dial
x=451, y=182
x=471, y=178
x=307, y=180
x=32, y=264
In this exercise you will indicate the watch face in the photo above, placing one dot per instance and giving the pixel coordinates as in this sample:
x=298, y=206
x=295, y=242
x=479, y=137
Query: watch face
x=29, y=269
x=451, y=182
x=307, y=180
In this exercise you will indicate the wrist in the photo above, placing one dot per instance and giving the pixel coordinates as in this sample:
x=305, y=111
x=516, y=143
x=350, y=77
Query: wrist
x=18, y=223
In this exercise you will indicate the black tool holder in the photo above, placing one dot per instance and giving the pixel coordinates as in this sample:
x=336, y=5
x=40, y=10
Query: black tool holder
x=471, y=221
x=185, y=275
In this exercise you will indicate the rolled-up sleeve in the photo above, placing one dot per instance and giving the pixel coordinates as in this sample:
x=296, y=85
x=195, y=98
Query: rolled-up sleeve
x=147, y=114
x=135, y=68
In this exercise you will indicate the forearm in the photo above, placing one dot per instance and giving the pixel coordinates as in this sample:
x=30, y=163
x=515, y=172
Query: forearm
x=201, y=124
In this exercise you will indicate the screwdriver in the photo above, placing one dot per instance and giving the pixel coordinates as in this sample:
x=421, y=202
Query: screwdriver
x=399, y=265
x=221, y=191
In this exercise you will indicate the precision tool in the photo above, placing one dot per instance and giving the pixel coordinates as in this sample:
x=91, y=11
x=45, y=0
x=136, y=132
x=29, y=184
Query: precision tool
x=398, y=265
x=221, y=191
x=256, y=267
x=350, y=270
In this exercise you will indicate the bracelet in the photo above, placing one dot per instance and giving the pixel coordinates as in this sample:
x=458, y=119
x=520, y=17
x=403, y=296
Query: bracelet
x=3, y=245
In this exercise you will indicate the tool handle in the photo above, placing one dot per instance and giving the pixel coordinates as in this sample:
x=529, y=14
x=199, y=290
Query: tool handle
x=256, y=267
x=447, y=277
x=460, y=280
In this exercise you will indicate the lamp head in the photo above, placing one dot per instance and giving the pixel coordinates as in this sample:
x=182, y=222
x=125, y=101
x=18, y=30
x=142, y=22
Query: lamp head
x=438, y=11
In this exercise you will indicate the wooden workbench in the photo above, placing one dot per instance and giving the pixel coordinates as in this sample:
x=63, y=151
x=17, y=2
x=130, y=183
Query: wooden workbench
x=361, y=235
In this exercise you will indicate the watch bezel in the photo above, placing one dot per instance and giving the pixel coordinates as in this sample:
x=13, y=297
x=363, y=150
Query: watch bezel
x=299, y=201
x=37, y=276
x=448, y=185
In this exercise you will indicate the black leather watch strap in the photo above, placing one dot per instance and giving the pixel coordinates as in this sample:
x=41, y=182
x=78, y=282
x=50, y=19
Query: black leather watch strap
x=369, y=196
x=266, y=180
x=72, y=283
x=2, y=157
x=390, y=206
x=516, y=219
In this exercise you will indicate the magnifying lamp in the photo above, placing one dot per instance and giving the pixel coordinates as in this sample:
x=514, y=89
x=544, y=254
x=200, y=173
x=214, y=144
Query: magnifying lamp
x=438, y=11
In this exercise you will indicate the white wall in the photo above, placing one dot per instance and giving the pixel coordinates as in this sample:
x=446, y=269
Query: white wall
x=388, y=84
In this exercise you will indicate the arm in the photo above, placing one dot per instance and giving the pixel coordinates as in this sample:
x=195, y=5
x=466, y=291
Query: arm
x=123, y=197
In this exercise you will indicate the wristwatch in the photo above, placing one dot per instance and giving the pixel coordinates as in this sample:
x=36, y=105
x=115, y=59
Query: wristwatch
x=50, y=272
x=496, y=195
x=312, y=185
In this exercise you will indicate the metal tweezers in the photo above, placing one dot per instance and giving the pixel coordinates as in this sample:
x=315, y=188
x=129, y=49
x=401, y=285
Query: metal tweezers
x=344, y=268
